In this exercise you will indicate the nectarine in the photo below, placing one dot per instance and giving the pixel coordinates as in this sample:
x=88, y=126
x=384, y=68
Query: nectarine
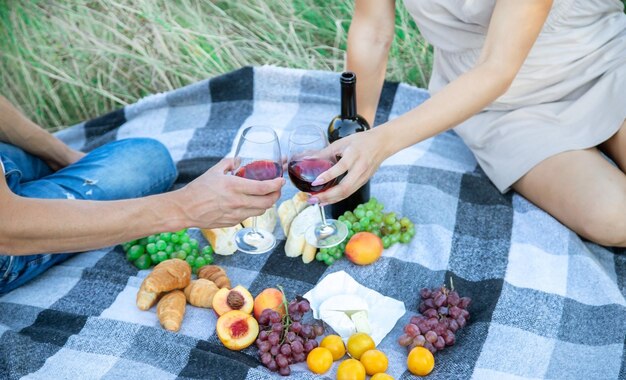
x=237, y=330
x=364, y=248
x=237, y=298
x=270, y=298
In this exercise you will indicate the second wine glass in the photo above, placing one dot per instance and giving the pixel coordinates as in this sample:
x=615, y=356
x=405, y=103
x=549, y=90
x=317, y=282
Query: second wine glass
x=258, y=158
x=307, y=160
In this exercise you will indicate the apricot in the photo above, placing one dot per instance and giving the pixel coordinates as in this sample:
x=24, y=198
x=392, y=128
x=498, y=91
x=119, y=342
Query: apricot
x=237, y=329
x=270, y=298
x=364, y=248
x=237, y=298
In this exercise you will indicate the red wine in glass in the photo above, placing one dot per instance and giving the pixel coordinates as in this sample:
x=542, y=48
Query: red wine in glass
x=303, y=172
x=260, y=170
x=308, y=158
x=259, y=159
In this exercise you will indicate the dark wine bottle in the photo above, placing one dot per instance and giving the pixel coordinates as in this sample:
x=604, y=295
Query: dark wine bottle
x=345, y=124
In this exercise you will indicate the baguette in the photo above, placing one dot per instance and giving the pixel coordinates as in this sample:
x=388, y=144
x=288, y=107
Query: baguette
x=266, y=222
x=296, y=243
x=222, y=239
x=288, y=210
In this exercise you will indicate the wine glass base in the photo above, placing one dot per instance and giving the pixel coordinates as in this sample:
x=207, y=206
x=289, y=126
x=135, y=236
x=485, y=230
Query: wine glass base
x=326, y=236
x=254, y=242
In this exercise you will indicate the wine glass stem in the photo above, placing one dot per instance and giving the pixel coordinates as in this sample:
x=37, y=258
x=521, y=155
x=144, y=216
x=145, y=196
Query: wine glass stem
x=322, y=214
x=325, y=229
x=254, y=229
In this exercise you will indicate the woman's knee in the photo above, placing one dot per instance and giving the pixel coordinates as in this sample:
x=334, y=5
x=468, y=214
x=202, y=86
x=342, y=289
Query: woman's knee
x=605, y=224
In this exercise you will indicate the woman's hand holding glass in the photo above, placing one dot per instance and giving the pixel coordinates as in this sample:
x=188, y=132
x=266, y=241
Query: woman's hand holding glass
x=308, y=158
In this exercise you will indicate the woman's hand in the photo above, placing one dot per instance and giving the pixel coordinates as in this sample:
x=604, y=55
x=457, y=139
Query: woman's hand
x=361, y=155
x=217, y=199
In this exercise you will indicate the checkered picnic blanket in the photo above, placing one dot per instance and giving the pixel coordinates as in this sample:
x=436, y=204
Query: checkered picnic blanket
x=546, y=304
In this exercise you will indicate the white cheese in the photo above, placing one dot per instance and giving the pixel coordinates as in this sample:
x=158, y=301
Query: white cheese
x=361, y=322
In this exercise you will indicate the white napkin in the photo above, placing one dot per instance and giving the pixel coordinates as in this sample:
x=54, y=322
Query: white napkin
x=383, y=311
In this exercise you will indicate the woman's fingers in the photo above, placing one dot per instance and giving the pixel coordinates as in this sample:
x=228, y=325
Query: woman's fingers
x=346, y=162
x=355, y=178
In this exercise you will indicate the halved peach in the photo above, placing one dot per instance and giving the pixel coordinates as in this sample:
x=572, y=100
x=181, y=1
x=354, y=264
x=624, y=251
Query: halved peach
x=237, y=298
x=237, y=330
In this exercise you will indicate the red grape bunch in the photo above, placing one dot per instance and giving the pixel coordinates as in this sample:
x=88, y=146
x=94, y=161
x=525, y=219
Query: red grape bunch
x=286, y=340
x=443, y=313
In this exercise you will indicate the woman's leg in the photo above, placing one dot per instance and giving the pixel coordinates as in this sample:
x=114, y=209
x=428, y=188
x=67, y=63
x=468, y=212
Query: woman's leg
x=582, y=190
x=615, y=147
x=119, y=170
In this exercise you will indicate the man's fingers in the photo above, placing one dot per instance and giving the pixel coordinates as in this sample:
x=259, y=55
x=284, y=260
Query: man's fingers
x=256, y=188
x=226, y=165
x=258, y=202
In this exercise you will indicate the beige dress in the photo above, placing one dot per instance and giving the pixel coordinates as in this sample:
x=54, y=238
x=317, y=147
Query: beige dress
x=569, y=94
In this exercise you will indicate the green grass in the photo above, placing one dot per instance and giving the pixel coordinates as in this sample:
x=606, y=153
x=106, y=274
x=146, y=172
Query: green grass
x=67, y=61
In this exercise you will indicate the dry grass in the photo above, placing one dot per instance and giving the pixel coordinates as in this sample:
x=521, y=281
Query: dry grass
x=68, y=61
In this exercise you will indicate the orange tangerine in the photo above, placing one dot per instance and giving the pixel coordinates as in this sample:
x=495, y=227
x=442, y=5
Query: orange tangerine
x=335, y=344
x=374, y=361
x=420, y=361
x=359, y=343
x=319, y=360
x=350, y=369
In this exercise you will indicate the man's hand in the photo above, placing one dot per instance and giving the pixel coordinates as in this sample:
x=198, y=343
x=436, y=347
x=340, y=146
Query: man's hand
x=69, y=157
x=217, y=199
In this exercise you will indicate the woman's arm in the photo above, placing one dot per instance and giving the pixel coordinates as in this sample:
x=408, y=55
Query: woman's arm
x=514, y=28
x=17, y=130
x=213, y=200
x=369, y=38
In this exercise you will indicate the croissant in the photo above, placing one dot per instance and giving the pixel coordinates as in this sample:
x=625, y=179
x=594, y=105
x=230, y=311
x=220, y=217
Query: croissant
x=168, y=275
x=145, y=299
x=200, y=292
x=171, y=310
x=216, y=274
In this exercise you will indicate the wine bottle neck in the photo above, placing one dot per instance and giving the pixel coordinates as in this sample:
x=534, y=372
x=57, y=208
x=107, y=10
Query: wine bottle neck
x=348, y=98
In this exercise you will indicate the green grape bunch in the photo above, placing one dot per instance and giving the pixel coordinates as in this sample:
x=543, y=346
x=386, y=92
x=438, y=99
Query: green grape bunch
x=370, y=217
x=153, y=249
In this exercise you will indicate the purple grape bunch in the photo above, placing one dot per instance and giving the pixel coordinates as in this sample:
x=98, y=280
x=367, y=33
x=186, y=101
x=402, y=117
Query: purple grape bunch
x=443, y=313
x=286, y=340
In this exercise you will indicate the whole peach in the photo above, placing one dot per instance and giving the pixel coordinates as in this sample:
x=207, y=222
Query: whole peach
x=364, y=248
x=270, y=298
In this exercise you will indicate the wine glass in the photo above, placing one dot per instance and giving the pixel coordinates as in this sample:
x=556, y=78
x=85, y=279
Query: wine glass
x=258, y=158
x=306, y=161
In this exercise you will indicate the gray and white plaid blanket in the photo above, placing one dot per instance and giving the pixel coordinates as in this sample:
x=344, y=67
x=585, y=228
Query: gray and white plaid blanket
x=546, y=304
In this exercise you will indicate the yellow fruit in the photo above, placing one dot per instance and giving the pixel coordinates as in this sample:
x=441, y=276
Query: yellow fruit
x=364, y=248
x=374, y=362
x=335, y=345
x=359, y=343
x=420, y=361
x=319, y=360
x=381, y=376
x=350, y=369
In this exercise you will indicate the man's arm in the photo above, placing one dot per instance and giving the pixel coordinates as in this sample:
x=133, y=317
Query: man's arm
x=18, y=130
x=213, y=200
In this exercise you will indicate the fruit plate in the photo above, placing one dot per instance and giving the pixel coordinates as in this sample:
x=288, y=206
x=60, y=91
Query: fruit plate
x=383, y=311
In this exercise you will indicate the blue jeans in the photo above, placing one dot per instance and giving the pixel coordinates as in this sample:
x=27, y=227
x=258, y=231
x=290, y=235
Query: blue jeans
x=122, y=169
